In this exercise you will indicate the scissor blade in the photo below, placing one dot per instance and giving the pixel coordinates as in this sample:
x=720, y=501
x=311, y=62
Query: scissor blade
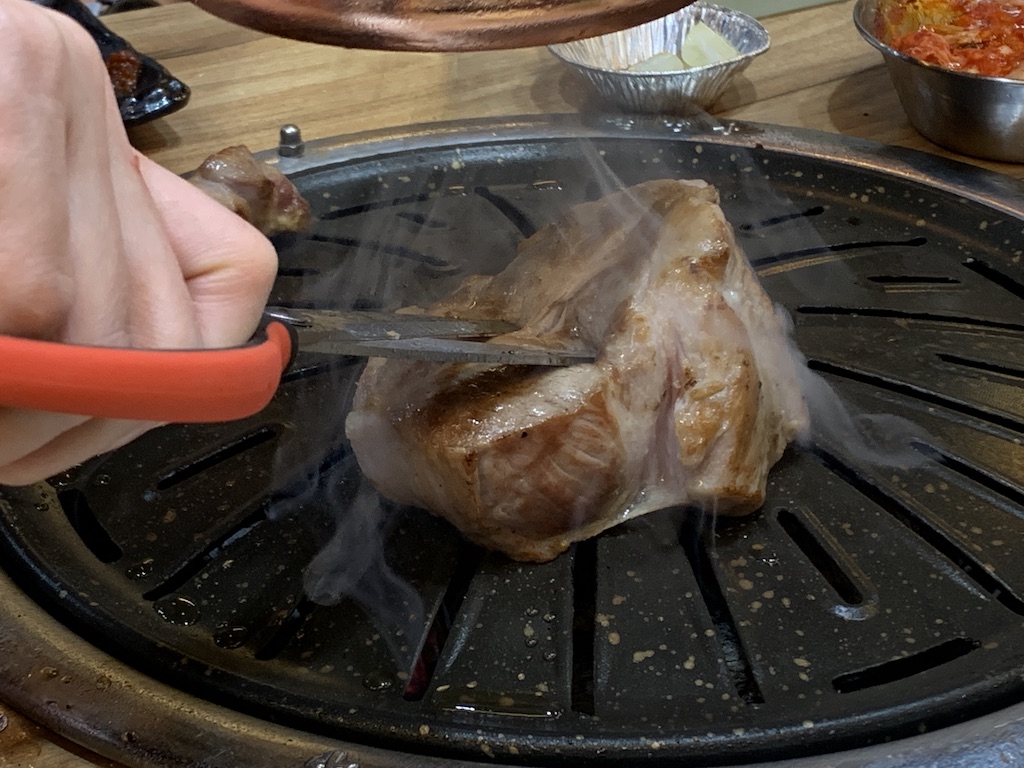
x=319, y=325
x=455, y=350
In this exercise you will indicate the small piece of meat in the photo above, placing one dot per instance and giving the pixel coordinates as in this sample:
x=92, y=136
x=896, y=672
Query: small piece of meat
x=695, y=393
x=256, y=191
x=123, y=67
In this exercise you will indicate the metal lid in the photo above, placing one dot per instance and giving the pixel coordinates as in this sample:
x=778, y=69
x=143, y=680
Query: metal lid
x=439, y=25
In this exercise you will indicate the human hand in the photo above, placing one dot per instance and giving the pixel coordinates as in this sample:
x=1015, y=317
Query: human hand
x=98, y=244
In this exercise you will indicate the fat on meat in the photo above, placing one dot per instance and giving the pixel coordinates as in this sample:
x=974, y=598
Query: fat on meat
x=255, y=190
x=693, y=397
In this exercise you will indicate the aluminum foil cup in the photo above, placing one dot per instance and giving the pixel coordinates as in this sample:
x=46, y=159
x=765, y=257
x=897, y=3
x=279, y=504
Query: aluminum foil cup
x=604, y=60
x=970, y=114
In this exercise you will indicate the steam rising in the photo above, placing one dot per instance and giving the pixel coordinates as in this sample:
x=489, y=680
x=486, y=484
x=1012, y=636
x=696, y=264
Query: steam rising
x=352, y=563
x=873, y=439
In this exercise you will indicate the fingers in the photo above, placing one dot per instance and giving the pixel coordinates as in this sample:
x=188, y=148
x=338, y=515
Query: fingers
x=37, y=289
x=100, y=245
x=72, y=446
x=25, y=432
x=228, y=265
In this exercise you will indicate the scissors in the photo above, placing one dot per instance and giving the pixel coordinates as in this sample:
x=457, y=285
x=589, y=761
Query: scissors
x=211, y=385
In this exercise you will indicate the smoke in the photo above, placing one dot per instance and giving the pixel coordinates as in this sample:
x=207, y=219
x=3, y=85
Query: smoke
x=351, y=527
x=352, y=563
x=873, y=439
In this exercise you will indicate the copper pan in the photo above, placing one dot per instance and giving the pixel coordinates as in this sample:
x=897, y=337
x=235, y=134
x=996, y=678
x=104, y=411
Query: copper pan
x=439, y=25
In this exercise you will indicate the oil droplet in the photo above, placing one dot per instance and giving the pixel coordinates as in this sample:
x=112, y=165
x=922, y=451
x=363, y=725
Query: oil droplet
x=375, y=681
x=230, y=637
x=101, y=480
x=140, y=570
x=531, y=642
x=501, y=704
x=177, y=610
x=42, y=506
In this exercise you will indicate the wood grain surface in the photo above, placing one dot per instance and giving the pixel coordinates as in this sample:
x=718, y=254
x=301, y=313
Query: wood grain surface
x=818, y=74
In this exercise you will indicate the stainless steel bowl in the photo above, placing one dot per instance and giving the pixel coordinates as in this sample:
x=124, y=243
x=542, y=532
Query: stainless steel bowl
x=603, y=60
x=970, y=114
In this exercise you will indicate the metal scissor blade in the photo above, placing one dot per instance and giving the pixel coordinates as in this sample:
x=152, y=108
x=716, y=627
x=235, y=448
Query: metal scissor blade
x=319, y=325
x=455, y=350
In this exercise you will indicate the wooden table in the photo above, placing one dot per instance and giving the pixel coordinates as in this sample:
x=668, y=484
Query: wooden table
x=819, y=73
x=245, y=85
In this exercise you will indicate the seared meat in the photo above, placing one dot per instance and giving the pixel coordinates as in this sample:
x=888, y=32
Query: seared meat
x=694, y=395
x=256, y=191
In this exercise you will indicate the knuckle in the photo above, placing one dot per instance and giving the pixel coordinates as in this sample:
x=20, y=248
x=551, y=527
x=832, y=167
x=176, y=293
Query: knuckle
x=35, y=308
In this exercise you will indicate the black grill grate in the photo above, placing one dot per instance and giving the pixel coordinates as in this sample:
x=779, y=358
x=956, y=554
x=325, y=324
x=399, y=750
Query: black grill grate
x=866, y=601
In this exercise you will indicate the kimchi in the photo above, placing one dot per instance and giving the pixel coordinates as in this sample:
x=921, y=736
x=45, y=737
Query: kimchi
x=984, y=37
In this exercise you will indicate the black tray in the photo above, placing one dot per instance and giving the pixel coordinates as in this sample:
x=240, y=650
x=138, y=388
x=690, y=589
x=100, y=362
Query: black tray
x=156, y=91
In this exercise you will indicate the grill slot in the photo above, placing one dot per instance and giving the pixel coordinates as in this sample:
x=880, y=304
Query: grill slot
x=519, y=220
x=286, y=632
x=895, y=314
x=997, y=276
x=213, y=553
x=772, y=221
x=899, y=669
x=975, y=475
x=211, y=460
x=584, y=610
x=906, y=514
x=401, y=253
x=789, y=257
x=820, y=557
x=89, y=529
x=693, y=537
x=913, y=280
x=982, y=365
x=918, y=393
x=467, y=564
x=356, y=210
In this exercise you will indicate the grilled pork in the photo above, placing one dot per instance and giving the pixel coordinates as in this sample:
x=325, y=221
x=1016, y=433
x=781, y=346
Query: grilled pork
x=256, y=191
x=693, y=397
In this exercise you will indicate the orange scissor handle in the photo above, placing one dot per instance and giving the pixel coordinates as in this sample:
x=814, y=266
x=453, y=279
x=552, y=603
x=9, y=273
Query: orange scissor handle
x=147, y=384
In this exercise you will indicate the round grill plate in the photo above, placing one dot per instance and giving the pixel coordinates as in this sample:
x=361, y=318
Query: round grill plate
x=875, y=596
